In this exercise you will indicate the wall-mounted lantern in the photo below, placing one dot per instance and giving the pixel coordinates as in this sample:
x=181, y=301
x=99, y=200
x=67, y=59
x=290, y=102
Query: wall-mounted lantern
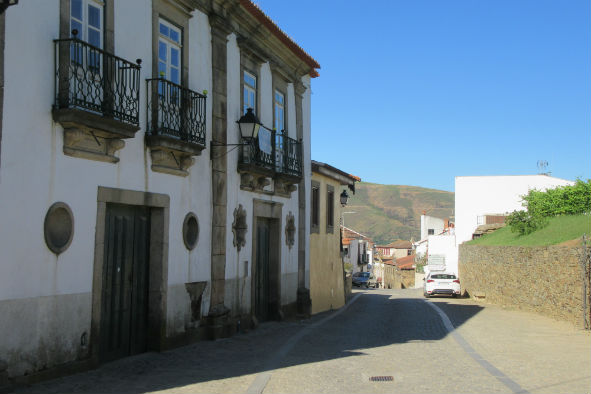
x=4, y=4
x=249, y=124
x=344, y=198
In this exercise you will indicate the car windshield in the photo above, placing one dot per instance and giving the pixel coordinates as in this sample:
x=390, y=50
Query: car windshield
x=364, y=274
x=443, y=276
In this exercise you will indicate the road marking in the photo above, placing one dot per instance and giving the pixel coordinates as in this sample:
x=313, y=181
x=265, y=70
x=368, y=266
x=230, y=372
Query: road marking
x=494, y=371
x=261, y=380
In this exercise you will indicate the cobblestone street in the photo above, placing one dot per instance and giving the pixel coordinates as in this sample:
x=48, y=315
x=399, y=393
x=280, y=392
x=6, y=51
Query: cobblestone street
x=438, y=345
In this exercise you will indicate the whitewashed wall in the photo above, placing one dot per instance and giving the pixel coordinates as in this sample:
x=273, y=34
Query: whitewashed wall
x=46, y=299
x=445, y=245
x=430, y=222
x=238, y=285
x=480, y=195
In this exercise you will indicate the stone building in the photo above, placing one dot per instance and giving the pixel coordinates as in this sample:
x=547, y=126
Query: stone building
x=326, y=264
x=154, y=175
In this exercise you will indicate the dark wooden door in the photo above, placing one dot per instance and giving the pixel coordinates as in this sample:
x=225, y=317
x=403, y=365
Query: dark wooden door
x=262, y=270
x=124, y=316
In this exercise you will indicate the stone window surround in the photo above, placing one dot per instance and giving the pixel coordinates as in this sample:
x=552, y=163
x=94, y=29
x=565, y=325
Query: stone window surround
x=314, y=227
x=170, y=155
x=179, y=18
x=159, y=205
x=329, y=220
x=108, y=27
x=250, y=65
x=280, y=85
x=88, y=135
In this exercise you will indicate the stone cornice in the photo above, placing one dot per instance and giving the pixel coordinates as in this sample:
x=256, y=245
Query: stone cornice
x=258, y=40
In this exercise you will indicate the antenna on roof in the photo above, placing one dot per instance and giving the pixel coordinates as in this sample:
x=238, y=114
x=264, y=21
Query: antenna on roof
x=542, y=167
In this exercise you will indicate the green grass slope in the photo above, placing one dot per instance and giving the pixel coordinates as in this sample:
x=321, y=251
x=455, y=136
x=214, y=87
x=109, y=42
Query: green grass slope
x=558, y=230
x=389, y=212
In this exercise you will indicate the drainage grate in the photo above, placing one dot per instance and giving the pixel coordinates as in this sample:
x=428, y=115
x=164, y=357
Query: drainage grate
x=381, y=379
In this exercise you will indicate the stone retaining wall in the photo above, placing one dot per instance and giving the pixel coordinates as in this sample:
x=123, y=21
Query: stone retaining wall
x=546, y=280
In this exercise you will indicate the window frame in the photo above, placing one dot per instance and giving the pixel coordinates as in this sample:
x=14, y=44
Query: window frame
x=279, y=124
x=330, y=209
x=246, y=87
x=84, y=22
x=315, y=207
x=170, y=45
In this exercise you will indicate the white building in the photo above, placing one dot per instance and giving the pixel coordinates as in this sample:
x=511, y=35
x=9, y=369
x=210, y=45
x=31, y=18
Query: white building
x=479, y=197
x=438, y=242
x=431, y=225
x=128, y=221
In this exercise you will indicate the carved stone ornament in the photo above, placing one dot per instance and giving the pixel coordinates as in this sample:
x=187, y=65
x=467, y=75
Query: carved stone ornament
x=239, y=227
x=290, y=230
x=190, y=231
x=58, y=227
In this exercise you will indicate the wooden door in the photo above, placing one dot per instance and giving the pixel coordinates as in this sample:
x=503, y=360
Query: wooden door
x=124, y=313
x=262, y=298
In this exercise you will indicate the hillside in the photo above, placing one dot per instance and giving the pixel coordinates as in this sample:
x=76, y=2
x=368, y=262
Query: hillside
x=389, y=212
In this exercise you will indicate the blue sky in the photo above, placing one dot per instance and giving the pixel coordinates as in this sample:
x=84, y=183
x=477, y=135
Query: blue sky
x=416, y=92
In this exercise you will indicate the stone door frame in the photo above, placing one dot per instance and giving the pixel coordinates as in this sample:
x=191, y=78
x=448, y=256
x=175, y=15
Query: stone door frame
x=272, y=211
x=159, y=205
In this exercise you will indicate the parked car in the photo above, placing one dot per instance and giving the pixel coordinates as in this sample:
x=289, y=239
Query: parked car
x=364, y=279
x=441, y=283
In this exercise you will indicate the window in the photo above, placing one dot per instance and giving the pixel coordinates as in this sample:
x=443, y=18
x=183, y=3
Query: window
x=86, y=16
x=279, y=111
x=169, y=52
x=329, y=209
x=250, y=92
x=315, y=223
x=430, y=231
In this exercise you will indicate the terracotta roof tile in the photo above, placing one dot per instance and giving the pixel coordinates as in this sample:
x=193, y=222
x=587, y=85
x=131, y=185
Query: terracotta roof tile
x=281, y=35
x=406, y=262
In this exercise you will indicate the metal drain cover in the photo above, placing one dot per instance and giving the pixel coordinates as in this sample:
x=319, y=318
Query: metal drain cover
x=381, y=379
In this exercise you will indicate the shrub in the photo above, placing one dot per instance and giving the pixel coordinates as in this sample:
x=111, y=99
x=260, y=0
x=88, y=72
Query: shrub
x=524, y=223
x=562, y=200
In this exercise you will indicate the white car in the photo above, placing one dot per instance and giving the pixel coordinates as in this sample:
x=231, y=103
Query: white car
x=441, y=283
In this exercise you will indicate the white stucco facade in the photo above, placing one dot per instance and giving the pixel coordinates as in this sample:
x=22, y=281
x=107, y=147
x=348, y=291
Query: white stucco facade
x=431, y=225
x=476, y=196
x=46, y=300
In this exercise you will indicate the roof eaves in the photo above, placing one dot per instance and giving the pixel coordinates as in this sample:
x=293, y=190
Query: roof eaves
x=255, y=11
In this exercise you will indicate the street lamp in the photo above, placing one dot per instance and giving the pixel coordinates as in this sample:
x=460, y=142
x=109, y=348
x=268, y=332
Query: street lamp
x=249, y=124
x=4, y=4
x=344, y=198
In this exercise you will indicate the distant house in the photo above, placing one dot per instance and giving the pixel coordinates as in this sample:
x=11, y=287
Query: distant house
x=326, y=266
x=407, y=267
x=390, y=274
x=357, y=249
x=401, y=248
x=437, y=244
x=431, y=225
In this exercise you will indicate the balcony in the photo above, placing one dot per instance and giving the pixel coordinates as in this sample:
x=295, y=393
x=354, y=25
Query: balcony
x=271, y=155
x=96, y=99
x=175, y=126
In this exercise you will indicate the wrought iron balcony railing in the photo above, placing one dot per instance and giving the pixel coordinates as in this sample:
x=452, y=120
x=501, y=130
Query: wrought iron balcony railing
x=91, y=79
x=175, y=111
x=274, y=152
